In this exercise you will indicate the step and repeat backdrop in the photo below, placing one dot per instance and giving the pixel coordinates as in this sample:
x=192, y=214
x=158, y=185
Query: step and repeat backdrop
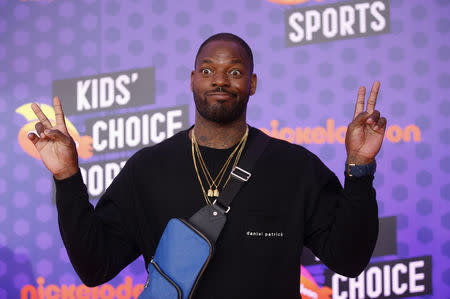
x=122, y=69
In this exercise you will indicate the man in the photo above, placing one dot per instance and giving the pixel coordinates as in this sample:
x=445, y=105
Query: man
x=291, y=200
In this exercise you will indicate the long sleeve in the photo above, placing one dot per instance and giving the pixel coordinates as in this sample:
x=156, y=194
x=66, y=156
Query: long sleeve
x=98, y=241
x=342, y=226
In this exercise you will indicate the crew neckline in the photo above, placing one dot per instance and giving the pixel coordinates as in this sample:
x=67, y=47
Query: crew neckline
x=212, y=149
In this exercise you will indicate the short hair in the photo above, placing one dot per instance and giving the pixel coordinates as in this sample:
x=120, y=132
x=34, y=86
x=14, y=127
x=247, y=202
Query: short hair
x=224, y=36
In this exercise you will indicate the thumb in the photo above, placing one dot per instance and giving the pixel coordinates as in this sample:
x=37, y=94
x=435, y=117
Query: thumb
x=56, y=135
x=361, y=118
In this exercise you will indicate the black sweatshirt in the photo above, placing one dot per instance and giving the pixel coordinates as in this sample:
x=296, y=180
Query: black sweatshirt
x=292, y=200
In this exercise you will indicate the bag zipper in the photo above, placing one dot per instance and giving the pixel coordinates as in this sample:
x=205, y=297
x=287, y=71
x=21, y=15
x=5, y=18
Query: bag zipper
x=148, y=280
x=197, y=279
x=179, y=292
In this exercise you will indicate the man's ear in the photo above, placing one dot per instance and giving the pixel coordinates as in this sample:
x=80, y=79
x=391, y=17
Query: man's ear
x=192, y=81
x=253, y=83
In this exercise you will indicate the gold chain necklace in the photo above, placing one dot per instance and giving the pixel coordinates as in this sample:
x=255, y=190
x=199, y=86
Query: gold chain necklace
x=214, y=183
x=196, y=154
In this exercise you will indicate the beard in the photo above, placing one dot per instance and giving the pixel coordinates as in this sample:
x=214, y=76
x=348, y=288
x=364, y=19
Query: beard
x=221, y=112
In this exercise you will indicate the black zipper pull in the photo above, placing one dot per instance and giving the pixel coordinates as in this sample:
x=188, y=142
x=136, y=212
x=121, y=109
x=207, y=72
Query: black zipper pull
x=168, y=279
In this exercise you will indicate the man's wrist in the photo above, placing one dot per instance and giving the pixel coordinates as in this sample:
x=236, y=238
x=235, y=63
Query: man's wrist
x=66, y=173
x=358, y=160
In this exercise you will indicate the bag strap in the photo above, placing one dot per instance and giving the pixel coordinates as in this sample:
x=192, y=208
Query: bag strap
x=211, y=218
x=242, y=172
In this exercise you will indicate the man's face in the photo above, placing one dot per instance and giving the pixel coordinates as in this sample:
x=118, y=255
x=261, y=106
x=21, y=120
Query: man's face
x=222, y=82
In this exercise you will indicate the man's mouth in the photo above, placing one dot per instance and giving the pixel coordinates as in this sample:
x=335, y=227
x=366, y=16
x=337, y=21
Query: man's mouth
x=220, y=94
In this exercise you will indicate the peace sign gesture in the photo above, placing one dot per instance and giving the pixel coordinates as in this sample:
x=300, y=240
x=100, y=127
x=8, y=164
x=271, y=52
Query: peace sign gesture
x=366, y=132
x=54, y=144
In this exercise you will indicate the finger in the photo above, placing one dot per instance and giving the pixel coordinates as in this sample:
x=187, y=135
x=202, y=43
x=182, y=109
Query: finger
x=359, y=106
x=374, y=117
x=57, y=135
x=361, y=118
x=59, y=114
x=41, y=116
x=373, y=97
x=39, y=128
x=381, y=124
x=33, y=138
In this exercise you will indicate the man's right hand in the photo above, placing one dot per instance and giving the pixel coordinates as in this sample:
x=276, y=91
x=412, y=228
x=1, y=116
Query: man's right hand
x=54, y=144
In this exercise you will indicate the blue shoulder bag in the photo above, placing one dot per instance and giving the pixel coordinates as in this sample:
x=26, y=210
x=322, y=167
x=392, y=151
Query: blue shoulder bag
x=187, y=246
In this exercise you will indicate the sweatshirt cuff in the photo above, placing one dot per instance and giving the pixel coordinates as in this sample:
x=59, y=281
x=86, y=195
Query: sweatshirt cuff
x=358, y=185
x=71, y=185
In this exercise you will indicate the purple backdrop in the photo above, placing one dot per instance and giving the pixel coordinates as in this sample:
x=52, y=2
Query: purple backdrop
x=298, y=86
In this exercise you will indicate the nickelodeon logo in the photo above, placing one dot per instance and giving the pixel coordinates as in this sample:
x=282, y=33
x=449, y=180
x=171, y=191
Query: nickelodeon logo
x=84, y=143
x=309, y=289
x=332, y=134
x=123, y=291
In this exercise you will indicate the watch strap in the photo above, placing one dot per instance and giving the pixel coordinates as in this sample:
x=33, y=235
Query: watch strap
x=360, y=170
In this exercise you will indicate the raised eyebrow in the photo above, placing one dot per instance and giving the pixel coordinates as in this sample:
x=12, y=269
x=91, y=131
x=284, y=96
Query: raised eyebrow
x=234, y=61
x=206, y=61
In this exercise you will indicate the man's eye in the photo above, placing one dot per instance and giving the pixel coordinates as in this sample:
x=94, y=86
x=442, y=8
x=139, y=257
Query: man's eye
x=235, y=72
x=206, y=71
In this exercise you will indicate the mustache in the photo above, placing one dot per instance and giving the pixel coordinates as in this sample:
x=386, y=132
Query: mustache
x=220, y=89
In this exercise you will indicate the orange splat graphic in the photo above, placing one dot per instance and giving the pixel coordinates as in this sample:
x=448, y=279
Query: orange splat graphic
x=309, y=288
x=84, y=143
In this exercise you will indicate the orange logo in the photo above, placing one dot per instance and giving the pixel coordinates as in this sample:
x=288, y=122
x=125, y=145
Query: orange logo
x=291, y=2
x=309, y=288
x=84, y=143
x=126, y=290
x=331, y=134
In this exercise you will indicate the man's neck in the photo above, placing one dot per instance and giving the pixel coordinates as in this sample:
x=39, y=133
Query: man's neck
x=220, y=136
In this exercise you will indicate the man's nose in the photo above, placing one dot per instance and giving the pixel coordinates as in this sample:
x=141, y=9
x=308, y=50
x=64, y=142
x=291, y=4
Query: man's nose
x=221, y=79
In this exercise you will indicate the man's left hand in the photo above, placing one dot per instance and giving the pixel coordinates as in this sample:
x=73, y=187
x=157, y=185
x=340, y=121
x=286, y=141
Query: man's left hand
x=366, y=132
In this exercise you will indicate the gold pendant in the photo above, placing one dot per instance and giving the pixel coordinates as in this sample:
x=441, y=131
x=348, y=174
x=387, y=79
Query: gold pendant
x=216, y=193
x=210, y=192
